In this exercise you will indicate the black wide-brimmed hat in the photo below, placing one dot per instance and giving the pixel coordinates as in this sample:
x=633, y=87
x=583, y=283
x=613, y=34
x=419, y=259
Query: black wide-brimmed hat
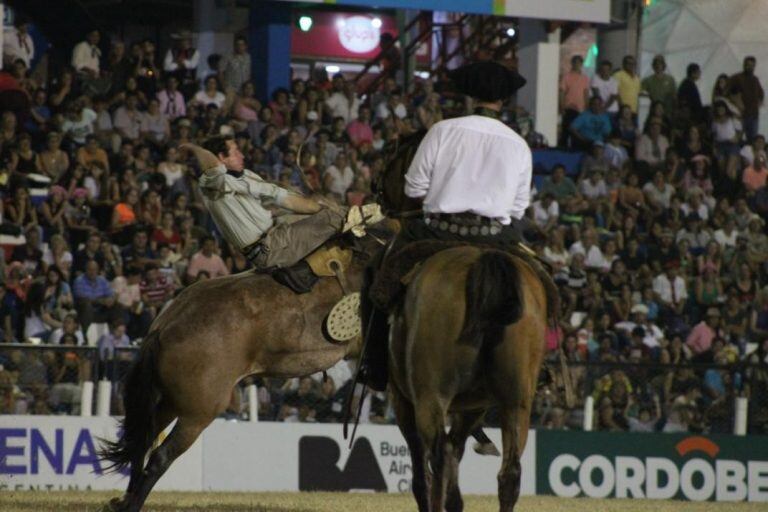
x=486, y=80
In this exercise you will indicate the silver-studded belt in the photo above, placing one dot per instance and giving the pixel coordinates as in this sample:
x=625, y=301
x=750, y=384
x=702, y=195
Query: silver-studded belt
x=464, y=224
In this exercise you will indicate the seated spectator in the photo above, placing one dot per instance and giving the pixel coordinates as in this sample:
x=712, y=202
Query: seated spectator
x=29, y=253
x=615, y=153
x=58, y=294
x=652, y=146
x=38, y=322
x=20, y=210
x=755, y=175
x=698, y=175
x=69, y=372
x=54, y=162
x=170, y=168
x=24, y=160
x=338, y=178
x=546, y=212
x=359, y=130
x=703, y=334
x=206, y=260
x=94, y=299
x=138, y=253
x=91, y=152
x=592, y=125
x=658, y=192
x=127, y=119
x=69, y=326
x=754, y=148
x=124, y=215
x=670, y=290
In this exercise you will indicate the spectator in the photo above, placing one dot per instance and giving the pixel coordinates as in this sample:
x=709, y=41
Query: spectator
x=210, y=94
x=688, y=95
x=127, y=119
x=747, y=94
x=156, y=289
x=606, y=87
x=207, y=260
x=181, y=61
x=86, y=55
x=344, y=103
x=69, y=326
x=237, y=69
x=359, y=130
x=172, y=103
x=652, y=146
x=574, y=94
x=754, y=176
x=17, y=43
x=670, y=290
x=660, y=86
x=94, y=299
x=629, y=83
x=591, y=126
x=756, y=147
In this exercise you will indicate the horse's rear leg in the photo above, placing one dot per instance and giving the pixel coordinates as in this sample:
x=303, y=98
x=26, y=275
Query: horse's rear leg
x=165, y=415
x=509, y=475
x=430, y=423
x=461, y=427
x=184, y=433
x=406, y=420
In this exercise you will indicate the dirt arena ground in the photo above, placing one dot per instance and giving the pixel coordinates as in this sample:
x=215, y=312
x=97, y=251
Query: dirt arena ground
x=328, y=502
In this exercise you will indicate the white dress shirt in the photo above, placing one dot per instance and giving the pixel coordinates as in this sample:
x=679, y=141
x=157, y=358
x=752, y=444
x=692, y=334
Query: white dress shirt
x=86, y=56
x=472, y=164
x=16, y=46
x=340, y=106
x=170, y=64
x=663, y=288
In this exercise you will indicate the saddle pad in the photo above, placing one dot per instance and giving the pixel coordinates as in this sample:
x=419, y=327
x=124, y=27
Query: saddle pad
x=343, y=322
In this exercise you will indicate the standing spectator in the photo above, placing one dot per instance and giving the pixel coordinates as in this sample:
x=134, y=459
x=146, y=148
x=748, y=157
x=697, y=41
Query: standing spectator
x=86, y=56
x=660, y=86
x=237, y=69
x=688, y=95
x=574, y=93
x=17, y=43
x=172, y=102
x=747, y=94
x=344, y=103
x=94, y=298
x=207, y=260
x=590, y=126
x=670, y=290
x=181, y=61
x=606, y=86
x=629, y=83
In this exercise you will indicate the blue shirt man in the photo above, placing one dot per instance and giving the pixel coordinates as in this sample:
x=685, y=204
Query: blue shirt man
x=592, y=125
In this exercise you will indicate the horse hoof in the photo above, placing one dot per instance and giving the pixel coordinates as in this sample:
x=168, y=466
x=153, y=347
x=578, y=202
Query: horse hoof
x=114, y=505
x=486, y=449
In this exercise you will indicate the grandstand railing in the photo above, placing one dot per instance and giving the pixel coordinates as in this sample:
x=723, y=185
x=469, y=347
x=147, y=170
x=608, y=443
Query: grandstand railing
x=742, y=407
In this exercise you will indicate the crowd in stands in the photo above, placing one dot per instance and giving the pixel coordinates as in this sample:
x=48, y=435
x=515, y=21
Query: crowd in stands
x=657, y=240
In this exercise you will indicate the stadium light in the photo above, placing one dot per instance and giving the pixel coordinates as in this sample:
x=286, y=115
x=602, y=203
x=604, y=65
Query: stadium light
x=332, y=70
x=305, y=23
x=511, y=32
x=376, y=22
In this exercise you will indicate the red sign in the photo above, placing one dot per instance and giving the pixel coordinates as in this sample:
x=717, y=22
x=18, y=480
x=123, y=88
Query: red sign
x=348, y=36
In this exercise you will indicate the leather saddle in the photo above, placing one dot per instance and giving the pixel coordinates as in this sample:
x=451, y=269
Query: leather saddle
x=329, y=260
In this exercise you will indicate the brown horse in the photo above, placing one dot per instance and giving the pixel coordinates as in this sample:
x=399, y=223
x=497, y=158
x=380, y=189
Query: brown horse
x=211, y=336
x=469, y=335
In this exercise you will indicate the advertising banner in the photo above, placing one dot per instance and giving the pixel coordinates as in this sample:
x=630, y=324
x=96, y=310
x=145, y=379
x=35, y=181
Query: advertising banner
x=315, y=457
x=655, y=466
x=60, y=453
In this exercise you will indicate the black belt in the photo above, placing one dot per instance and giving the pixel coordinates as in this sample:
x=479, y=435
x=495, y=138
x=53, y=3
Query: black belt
x=252, y=251
x=464, y=224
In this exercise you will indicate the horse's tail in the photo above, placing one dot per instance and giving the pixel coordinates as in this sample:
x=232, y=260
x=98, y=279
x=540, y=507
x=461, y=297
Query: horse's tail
x=494, y=298
x=141, y=394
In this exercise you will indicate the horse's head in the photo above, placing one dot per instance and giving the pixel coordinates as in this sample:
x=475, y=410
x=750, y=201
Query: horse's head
x=389, y=185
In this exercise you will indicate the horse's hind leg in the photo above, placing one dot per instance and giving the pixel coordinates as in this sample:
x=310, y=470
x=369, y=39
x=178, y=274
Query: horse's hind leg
x=430, y=423
x=165, y=415
x=461, y=427
x=406, y=420
x=184, y=433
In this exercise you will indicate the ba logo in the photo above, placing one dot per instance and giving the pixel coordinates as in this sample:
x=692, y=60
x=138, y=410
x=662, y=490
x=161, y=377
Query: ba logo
x=319, y=469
